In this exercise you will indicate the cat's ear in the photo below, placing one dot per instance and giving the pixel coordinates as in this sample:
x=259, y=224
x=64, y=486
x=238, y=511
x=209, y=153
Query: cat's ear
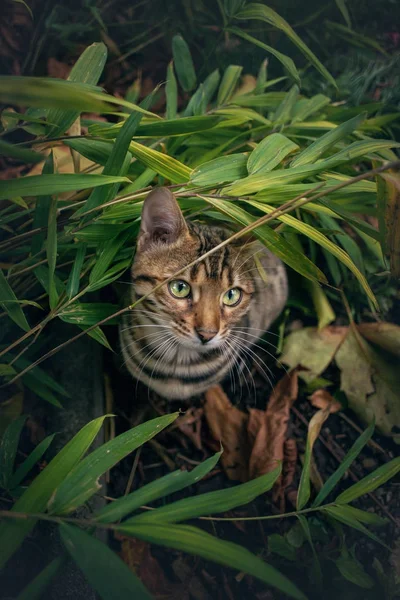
x=162, y=219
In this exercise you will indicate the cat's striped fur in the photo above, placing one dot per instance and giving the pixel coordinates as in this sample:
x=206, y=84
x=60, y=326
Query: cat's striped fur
x=181, y=347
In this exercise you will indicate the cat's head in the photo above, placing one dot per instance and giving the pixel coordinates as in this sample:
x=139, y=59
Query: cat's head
x=208, y=298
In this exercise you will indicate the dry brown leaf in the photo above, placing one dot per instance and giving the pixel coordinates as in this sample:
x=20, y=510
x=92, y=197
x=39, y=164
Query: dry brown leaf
x=190, y=425
x=323, y=399
x=58, y=69
x=229, y=426
x=269, y=442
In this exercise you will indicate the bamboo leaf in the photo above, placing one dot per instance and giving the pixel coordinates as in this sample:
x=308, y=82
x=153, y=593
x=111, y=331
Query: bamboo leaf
x=35, y=498
x=314, y=429
x=286, y=61
x=306, y=108
x=106, y=572
x=82, y=481
x=220, y=170
x=228, y=84
x=46, y=185
x=283, y=113
x=197, y=542
x=183, y=63
x=171, y=93
x=87, y=69
x=261, y=77
x=19, y=153
x=10, y=303
x=260, y=12
x=88, y=313
x=370, y=482
x=98, y=151
x=30, y=461
x=8, y=450
x=269, y=153
x=51, y=251
x=164, y=165
x=197, y=104
x=341, y=514
x=36, y=588
x=74, y=277
x=159, y=488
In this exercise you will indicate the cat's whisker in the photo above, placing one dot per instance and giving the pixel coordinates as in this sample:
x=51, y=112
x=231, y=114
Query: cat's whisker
x=169, y=346
x=257, y=337
x=249, y=258
x=162, y=335
x=150, y=354
x=264, y=349
x=257, y=329
x=259, y=362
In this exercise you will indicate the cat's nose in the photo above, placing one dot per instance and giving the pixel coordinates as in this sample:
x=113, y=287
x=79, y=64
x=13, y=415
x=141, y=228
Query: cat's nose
x=205, y=335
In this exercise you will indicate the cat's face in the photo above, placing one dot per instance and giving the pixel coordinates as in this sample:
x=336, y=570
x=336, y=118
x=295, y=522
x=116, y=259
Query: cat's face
x=206, y=300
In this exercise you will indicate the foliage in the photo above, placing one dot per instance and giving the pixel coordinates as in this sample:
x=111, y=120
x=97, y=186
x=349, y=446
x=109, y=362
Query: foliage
x=63, y=486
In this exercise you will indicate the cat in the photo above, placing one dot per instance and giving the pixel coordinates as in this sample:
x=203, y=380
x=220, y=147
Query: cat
x=191, y=332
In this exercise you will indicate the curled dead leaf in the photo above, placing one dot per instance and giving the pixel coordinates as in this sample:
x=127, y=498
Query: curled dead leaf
x=323, y=399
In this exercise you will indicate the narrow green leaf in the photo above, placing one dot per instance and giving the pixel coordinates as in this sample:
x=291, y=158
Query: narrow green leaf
x=30, y=462
x=174, y=127
x=82, y=482
x=323, y=307
x=260, y=12
x=272, y=240
x=10, y=303
x=159, y=488
x=269, y=153
x=307, y=107
x=36, y=588
x=140, y=182
x=87, y=69
x=350, y=457
x=341, y=514
x=36, y=497
x=212, y=502
x=19, y=153
x=88, y=313
x=106, y=572
x=51, y=251
x=98, y=335
x=316, y=570
x=365, y=517
x=327, y=141
x=164, y=165
x=261, y=77
x=46, y=185
x=107, y=255
x=285, y=61
x=350, y=568
x=183, y=63
x=342, y=6
x=197, y=542
x=41, y=215
x=314, y=429
x=98, y=151
x=8, y=450
x=171, y=93
x=370, y=482
x=198, y=103
x=74, y=277
x=270, y=100
x=220, y=170
x=228, y=84
x=283, y=113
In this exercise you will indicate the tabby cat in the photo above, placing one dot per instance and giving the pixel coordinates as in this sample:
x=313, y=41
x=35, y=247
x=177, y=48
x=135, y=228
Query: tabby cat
x=190, y=333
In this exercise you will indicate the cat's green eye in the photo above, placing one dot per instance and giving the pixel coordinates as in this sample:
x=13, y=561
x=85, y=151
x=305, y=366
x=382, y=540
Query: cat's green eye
x=179, y=288
x=232, y=297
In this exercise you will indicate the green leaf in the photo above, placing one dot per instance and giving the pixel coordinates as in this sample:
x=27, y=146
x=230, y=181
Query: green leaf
x=183, y=63
x=341, y=514
x=197, y=542
x=370, y=482
x=211, y=503
x=316, y=567
x=8, y=450
x=74, y=277
x=87, y=69
x=51, y=251
x=19, y=153
x=197, y=104
x=159, y=488
x=270, y=100
x=164, y=165
x=278, y=544
x=352, y=570
x=36, y=497
x=307, y=107
x=314, y=429
x=36, y=588
x=41, y=215
x=327, y=141
x=272, y=240
x=105, y=571
x=98, y=335
x=323, y=241
x=220, y=170
x=46, y=185
x=171, y=93
x=10, y=303
x=283, y=113
x=30, y=462
x=97, y=151
x=323, y=307
x=342, y=6
x=365, y=517
x=264, y=13
x=350, y=457
x=285, y=61
x=269, y=153
x=228, y=84
x=261, y=77
x=88, y=313
x=82, y=482
x=174, y=127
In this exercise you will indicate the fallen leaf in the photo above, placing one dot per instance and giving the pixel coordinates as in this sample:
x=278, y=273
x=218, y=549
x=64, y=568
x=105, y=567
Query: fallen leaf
x=228, y=425
x=190, y=425
x=313, y=349
x=269, y=441
x=323, y=399
x=193, y=586
x=392, y=219
x=370, y=382
x=385, y=335
x=58, y=69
